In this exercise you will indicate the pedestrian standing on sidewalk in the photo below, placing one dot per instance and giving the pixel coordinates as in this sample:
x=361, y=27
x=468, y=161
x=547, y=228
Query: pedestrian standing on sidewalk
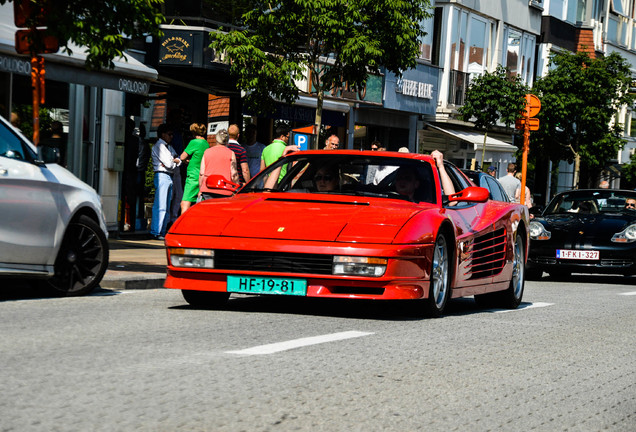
x=275, y=150
x=143, y=157
x=254, y=149
x=129, y=179
x=218, y=160
x=239, y=151
x=509, y=182
x=164, y=162
x=193, y=154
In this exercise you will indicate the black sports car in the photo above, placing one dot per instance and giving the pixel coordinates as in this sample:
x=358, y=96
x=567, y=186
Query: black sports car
x=585, y=231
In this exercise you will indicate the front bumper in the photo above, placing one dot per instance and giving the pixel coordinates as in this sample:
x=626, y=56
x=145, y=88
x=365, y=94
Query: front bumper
x=612, y=260
x=406, y=275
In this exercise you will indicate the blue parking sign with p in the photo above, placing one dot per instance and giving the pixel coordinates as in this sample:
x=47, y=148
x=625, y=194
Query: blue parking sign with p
x=302, y=141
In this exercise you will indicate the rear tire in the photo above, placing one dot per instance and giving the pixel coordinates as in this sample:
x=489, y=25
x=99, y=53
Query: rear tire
x=511, y=297
x=82, y=259
x=206, y=299
x=440, y=289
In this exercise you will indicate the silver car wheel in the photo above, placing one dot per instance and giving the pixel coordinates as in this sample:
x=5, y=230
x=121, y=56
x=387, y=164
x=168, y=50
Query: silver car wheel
x=518, y=269
x=439, y=273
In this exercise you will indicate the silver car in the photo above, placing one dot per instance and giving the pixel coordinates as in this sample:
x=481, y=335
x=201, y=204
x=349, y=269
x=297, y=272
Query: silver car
x=51, y=223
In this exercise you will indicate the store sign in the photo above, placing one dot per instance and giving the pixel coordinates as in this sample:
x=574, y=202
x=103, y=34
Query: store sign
x=414, y=88
x=134, y=86
x=176, y=49
x=15, y=65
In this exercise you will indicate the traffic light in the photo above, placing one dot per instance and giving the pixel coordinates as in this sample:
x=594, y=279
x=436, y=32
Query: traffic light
x=27, y=13
x=44, y=43
x=33, y=16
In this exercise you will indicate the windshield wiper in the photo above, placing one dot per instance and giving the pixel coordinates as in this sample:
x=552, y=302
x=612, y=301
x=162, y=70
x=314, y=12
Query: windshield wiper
x=260, y=190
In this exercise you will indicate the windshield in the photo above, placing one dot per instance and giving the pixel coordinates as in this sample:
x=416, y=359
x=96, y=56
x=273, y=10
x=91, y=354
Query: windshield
x=333, y=173
x=592, y=202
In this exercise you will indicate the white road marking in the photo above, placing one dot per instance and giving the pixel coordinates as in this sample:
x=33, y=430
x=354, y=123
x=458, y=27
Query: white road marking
x=297, y=343
x=524, y=306
x=628, y=293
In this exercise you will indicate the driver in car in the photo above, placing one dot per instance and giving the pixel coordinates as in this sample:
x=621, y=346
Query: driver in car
x=326, y=179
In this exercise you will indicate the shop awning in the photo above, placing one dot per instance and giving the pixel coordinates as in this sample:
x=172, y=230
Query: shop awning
x=311, y=102
x=477, y=139
x=129, y=74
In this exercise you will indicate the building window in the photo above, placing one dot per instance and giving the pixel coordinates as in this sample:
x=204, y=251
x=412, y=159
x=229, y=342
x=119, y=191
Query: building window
x=471, y=43
x=519, y=53
x=631, y=130
x=426, y=42
x=478, y=48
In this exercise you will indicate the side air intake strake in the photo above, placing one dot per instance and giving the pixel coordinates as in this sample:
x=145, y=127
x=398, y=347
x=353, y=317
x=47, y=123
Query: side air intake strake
x=488, y=254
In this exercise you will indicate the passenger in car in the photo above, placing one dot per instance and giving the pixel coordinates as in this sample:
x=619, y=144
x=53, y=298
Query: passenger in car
x=447, y=184
x=326, y=179
x=406, y=182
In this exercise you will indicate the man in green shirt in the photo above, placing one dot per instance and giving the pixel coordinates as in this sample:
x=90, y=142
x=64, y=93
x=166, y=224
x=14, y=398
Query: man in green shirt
x=275, y=150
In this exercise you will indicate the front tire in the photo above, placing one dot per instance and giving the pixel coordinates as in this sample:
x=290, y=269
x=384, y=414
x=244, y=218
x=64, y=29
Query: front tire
x=205, y=299
x=440, y=289
x=511, y=297
x=82, y=260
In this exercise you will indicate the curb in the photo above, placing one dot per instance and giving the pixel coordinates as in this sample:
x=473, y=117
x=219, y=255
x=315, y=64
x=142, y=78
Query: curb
x=138, y=281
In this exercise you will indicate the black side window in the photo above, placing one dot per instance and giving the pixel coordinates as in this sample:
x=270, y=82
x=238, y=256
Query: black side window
x=10, y=145
x=496, y=192
x=458, y=180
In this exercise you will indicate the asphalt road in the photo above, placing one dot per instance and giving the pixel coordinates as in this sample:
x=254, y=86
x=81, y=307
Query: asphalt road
x=144, y=360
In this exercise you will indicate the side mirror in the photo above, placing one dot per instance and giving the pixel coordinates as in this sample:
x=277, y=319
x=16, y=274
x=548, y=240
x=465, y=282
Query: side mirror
x=471, y=194
x=219, y=182
x=49, y=154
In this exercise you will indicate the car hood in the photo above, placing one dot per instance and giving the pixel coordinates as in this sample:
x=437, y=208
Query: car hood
x=593, y=225
x=298, y=217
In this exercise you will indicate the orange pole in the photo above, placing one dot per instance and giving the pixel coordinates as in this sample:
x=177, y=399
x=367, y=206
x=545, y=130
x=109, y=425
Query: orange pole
x=526, y=147
x=35, y=84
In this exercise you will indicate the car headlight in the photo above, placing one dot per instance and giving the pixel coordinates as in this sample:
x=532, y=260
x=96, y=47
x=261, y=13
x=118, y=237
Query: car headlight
x=359, y=266
x=538, y=231
x=628, y=235
x=191, y=258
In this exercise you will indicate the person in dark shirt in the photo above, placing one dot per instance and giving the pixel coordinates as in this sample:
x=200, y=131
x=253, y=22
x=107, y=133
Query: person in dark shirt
x=239, y=151
x=129, y=183
x=57, y=141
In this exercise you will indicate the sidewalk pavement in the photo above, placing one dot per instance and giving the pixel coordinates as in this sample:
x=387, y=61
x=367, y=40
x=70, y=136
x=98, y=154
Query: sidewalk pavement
x=135, y=263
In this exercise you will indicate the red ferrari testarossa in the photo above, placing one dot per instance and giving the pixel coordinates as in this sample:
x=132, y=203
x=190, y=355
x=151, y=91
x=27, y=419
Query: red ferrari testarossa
x=355, y=225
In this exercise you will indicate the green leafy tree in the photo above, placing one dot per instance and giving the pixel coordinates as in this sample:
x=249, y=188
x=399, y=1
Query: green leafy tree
x=105, y=28
x=579, y=98
x=629, y=170
x=333, y=42
x=492, y=98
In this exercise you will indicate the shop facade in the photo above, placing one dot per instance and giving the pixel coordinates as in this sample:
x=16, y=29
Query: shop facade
x=90, y=105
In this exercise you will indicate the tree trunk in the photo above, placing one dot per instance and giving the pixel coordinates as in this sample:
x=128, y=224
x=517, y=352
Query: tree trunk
x=483, y=151
x=577, y=171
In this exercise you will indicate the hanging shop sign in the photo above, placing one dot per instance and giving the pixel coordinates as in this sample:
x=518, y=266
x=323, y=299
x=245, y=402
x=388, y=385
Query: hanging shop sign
x=176, y=49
